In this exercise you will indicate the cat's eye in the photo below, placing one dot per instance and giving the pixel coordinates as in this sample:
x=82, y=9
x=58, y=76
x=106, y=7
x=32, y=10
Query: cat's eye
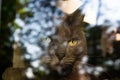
x=72, y=42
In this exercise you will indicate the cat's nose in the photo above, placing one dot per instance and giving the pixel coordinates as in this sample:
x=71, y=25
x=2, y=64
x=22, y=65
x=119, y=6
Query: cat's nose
x=60, y=55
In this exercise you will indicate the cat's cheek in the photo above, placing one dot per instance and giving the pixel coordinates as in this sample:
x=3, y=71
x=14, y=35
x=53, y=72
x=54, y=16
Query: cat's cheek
x=54, y=64
x=71, y=47
x=53, y=60
x=80, y=49
x=71, y=50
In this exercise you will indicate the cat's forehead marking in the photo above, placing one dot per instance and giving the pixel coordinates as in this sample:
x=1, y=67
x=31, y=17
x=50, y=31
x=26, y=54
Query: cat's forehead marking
x=69, y=32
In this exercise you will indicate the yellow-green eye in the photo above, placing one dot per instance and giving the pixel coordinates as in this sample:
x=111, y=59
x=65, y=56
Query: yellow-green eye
x=72, y=42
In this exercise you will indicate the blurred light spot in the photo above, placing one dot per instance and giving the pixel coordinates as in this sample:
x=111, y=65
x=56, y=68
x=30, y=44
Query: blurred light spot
x=117, y=37
x=84, y=59
x=29, y=73
x=17, y=35
x=117, y=64
x=34, y=33
x=90, y=17
x=112, y=27
x=30, y=5
x=82, y=71
x=35, y=63
x=19, y=22
x=90, y=70
x=32, y=48
x=41, y=68
x=48, y=33
x=27, y=56
x=50, y=24
x=96, y=73
x=52, y=3
x=99, y=69
x=46, y=41
x=109, y=62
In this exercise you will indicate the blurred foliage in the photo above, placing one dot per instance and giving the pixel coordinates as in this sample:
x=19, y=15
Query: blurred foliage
x=8, y=12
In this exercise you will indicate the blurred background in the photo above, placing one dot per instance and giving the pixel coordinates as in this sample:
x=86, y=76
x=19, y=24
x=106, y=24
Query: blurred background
x=25, y=25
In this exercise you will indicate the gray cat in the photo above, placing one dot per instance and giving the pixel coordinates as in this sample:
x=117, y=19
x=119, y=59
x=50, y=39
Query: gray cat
x=66, y=50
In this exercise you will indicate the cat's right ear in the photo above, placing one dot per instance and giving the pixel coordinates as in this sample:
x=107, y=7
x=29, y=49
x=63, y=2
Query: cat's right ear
x=74, y=19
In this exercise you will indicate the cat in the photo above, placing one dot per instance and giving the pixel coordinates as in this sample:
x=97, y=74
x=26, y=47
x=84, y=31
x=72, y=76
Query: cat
x=66, y=50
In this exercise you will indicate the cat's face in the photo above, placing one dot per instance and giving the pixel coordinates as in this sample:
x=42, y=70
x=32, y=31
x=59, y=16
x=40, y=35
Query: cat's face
x=67, y=46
